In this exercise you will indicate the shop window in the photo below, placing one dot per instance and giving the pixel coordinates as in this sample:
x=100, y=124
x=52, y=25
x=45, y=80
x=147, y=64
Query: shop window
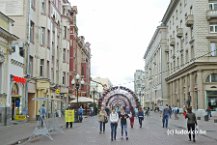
x=15, y=90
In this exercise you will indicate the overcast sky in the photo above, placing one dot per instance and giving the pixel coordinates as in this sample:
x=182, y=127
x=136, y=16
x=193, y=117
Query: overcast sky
x=119, y=32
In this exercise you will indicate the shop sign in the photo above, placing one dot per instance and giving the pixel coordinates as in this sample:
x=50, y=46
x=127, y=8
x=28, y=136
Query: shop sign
x=57, y=91
x=19, y=79
x=69, y=115
x=20, y=117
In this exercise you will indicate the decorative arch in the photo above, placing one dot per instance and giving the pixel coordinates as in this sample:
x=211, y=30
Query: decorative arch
x=119, y=96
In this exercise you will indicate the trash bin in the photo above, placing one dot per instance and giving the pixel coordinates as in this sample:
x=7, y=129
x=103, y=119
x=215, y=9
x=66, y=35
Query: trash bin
x=198, y=118
x=206, y=118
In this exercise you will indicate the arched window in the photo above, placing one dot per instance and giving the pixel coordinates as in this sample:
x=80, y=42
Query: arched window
x=212, y=78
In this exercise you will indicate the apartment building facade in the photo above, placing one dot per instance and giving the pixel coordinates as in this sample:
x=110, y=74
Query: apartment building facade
x=155, y=62
x=43, y=27
x=12, y=81
x=139, y=85
x=80, y=56
x=191, y=44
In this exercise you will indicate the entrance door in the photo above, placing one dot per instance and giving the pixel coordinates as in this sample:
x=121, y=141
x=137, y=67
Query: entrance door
x=212, y=99
x=15, y=106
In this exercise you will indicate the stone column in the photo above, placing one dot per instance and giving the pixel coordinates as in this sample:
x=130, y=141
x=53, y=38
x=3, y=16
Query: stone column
x=201, y=97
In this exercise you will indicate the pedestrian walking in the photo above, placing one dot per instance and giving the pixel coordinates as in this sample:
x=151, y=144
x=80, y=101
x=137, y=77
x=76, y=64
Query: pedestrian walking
x=166, y=113
x=191, y=122
x=103, y=118
x=68, y=117
x=123, y=118
x=209, y=112
x=140, y=116
x=114, y=118
x=170, y=109
x=132, y=116
x=42, y=112
x=80, y=114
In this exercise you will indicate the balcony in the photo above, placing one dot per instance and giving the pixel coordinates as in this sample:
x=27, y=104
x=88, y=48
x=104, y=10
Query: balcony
x=211, y=14
x=179, y=32
x=189, y=21
x=172, y=42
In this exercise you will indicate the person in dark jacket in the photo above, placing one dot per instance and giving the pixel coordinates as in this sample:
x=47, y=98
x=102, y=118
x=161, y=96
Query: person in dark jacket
x=140, y=116
x=191, y=122
x=166, y=114
x=123, y=118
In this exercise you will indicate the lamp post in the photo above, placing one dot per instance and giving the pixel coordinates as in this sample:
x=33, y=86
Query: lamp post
x=77, y=82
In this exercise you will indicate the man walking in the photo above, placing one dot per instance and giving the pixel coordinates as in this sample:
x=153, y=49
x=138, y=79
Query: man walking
x=42, y=112
x=166, y=114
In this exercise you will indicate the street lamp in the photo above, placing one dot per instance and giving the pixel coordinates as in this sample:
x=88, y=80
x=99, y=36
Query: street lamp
x=77, y=83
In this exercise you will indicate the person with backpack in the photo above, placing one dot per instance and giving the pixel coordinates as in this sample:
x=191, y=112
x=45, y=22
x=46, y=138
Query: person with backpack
x=191, y=122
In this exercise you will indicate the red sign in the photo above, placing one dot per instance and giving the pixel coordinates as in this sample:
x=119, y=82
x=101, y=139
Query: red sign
x=19, y=79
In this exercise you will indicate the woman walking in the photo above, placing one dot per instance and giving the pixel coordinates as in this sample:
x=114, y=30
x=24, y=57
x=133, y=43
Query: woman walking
x=123, y=117
x=114, y=123
x=102, y=120
x=140, y=116
x=191, y=122
x=132, y=115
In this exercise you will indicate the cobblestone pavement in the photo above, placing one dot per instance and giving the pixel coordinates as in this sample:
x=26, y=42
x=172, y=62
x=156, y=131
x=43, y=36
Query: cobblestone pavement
x=152, y=133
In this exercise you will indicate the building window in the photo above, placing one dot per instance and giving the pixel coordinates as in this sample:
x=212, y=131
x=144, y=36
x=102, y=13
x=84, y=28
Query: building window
x=64, y=78
x=187, y=57
x=32, y=27
x=48, y=39
x=212, y=78
x=31, y=65
x=52, y=75
x=65, y=32
x=182, y=59
x=64, y=55
x=192, y=53
x=33, y=4
x=43, y=7
x=213, y=28
x=67, y=56
x=186, y=38
x=48, y=69
x=57, y=76
x=41, y=67
x=42, y=36
x=213, y=5
x=213, y=47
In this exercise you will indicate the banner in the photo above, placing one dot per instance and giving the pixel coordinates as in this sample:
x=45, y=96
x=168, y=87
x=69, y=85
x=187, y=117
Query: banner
x=69, y=115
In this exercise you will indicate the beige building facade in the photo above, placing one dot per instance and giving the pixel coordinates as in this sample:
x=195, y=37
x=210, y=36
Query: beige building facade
x=191, y=66
x=155, y=90
x=43, y=26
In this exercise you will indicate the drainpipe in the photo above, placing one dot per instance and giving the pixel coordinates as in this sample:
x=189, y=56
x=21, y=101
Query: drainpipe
x=28, y=12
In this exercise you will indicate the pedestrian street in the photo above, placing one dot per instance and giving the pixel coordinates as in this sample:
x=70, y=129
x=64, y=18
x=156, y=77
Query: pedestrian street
x=152, y=133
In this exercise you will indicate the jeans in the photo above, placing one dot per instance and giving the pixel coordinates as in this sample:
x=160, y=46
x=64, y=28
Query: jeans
x=140, y=121
x=123, y=129
x=191, y=128
x=113, y=130
x=41, y=118
x=165, y=121
x=102, y=126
